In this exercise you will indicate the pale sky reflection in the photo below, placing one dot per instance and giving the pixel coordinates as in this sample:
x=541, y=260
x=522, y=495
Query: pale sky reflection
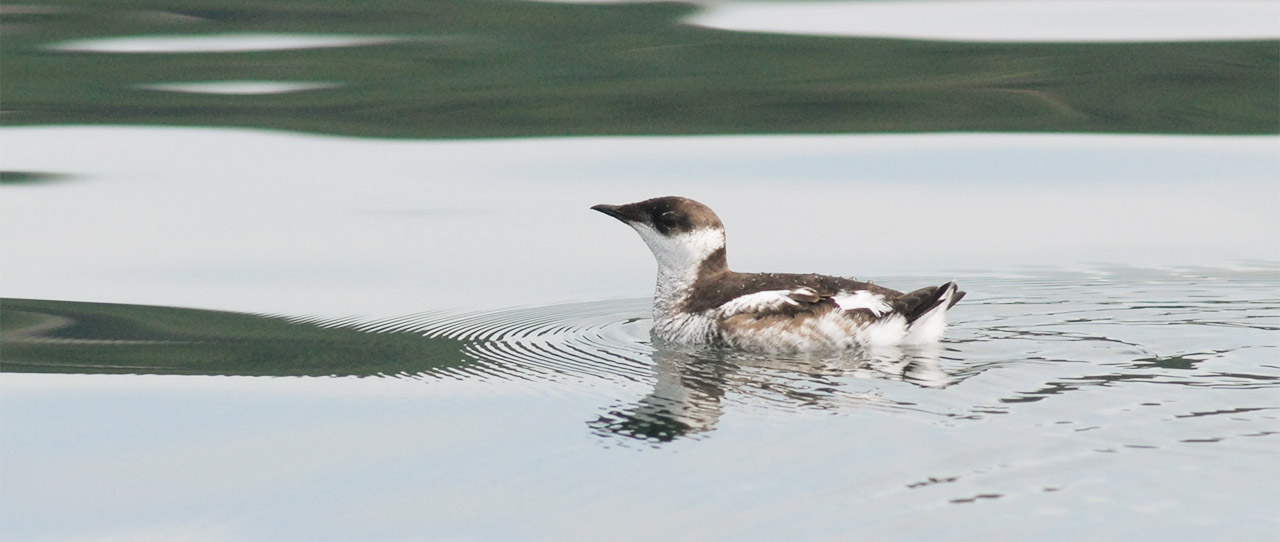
x=275, y=222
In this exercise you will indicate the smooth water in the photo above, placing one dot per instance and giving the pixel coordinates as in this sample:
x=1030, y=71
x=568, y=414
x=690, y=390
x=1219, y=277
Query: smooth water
x=1111, y=403
x=307, y=225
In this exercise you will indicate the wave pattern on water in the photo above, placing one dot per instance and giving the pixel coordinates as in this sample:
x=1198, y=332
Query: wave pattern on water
x=1147, y=397
x=1044, y=334
x=1040, y=337
x=579, y=341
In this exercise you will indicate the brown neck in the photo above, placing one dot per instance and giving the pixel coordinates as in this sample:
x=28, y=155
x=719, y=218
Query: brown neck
x=715, y=264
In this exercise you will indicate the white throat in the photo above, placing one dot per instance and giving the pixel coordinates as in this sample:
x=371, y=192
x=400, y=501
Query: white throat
x=679, y=258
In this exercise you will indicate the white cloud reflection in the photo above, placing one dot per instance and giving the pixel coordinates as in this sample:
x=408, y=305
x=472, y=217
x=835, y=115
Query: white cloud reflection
x=219, y=43
x=239, y=87
x=1006, y=20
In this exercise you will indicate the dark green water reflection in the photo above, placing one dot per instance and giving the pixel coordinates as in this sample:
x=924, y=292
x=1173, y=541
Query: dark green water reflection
x=29, y=177
x=474, y=68
x=99, y=338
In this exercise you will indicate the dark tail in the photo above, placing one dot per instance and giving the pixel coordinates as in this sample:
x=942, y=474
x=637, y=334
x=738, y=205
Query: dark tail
x=915, y=304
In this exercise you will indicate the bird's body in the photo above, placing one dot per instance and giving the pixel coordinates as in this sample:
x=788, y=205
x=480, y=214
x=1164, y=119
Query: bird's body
x=700, y=301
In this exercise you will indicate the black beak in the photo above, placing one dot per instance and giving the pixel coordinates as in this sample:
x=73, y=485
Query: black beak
x=612, y=210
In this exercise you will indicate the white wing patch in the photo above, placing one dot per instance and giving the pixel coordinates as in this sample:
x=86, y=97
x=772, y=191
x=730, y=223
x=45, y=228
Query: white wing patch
x=862, y=299
x=759, y=301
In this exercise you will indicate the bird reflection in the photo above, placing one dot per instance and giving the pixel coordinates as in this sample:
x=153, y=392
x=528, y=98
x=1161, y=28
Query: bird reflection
x=692, y=384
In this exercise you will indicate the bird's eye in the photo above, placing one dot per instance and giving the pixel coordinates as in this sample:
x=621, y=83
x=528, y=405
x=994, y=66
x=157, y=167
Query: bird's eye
x=668, y=219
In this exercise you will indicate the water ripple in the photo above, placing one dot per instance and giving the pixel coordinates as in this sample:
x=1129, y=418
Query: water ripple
x=1047, y=339
x=679, y=391
x=1049, y=335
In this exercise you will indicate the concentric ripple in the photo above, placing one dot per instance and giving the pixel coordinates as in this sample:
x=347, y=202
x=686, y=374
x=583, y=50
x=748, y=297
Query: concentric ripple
x=1171, y=337
x=597, y=340
x=611, y=340
x=1046, y=335
x=663, y=391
